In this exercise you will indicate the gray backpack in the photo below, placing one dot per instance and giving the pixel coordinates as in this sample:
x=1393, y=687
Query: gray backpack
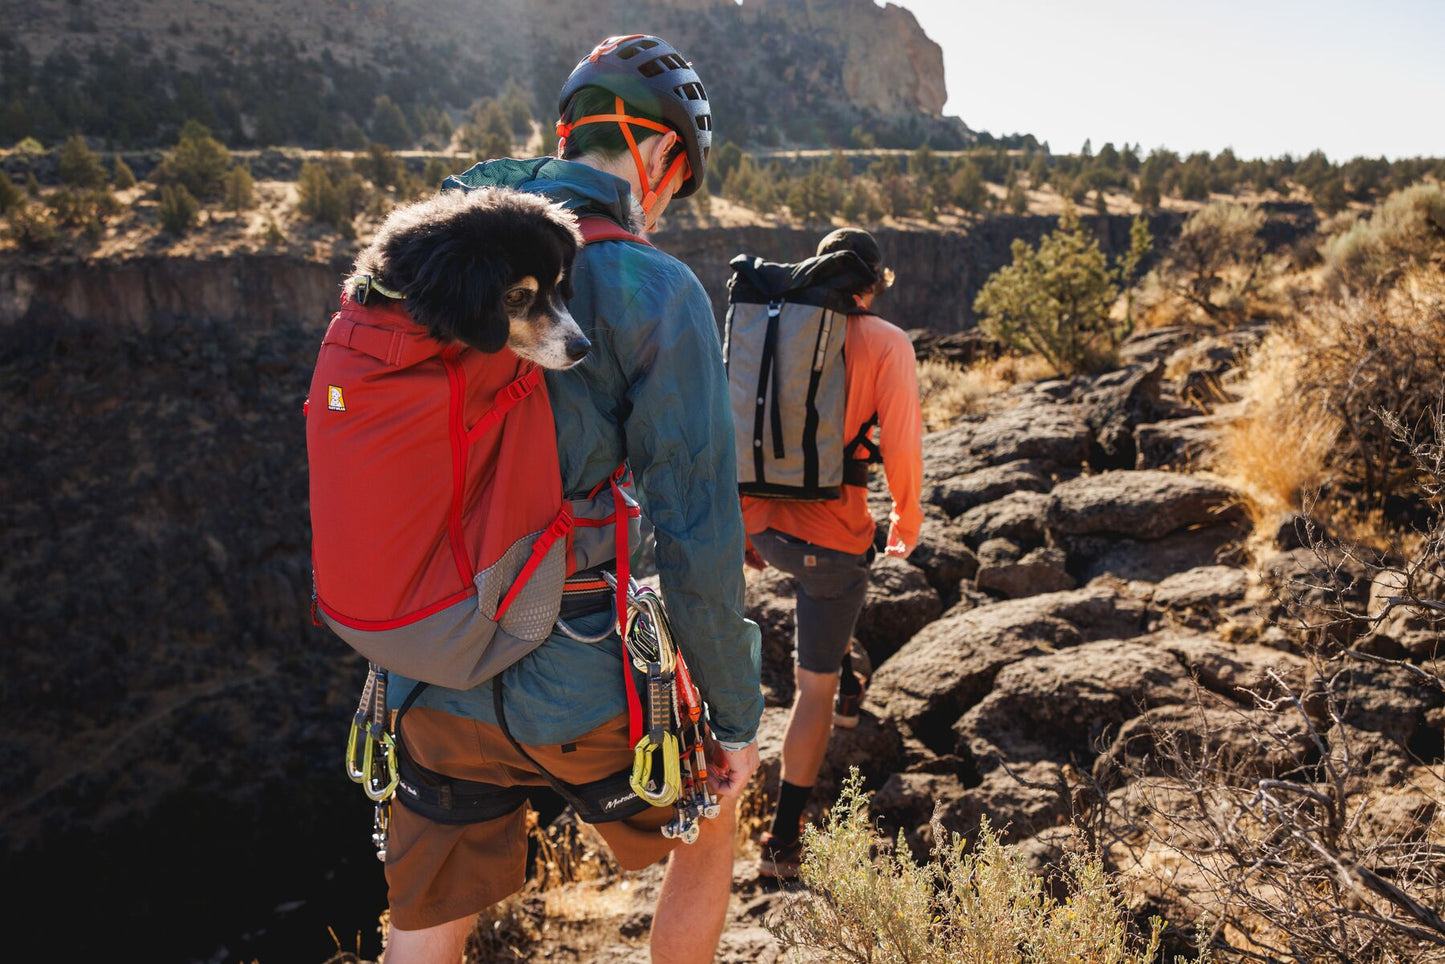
x=783, y=346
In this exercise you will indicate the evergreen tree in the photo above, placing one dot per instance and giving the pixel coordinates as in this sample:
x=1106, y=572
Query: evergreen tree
x=434, y=173
x=80, y=166
x=1015, y=200
x=1038, y=172
x=122, y=176
x=198, y=162
x=178, y=210
x=240, y=189
x=1054, y=301
x=1141, y=243
x=967, y=188
x=388, y=124
x=10, y=196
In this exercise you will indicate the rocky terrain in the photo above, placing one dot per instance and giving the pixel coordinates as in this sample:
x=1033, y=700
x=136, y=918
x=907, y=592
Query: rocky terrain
x=178, y=712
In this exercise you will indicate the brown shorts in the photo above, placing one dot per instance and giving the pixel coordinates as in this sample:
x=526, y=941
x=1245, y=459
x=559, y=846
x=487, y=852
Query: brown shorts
x=438, y=872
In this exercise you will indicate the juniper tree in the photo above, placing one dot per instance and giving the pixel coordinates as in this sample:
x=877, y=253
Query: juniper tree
x=240, y=189
x=10, y=195
x=1054, y=301
x=178, y=209
x=80, y=167
x=198, y=162
x=388, y=123
x=122, y=176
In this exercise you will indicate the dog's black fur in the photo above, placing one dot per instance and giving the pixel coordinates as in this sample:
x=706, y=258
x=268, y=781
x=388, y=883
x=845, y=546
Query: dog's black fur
x=453, y=257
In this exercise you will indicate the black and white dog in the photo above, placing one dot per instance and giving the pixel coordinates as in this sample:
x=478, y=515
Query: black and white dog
x=487, y=268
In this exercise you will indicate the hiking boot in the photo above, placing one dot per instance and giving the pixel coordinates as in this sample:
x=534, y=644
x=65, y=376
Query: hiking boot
x=848, y=706
x=780, y=861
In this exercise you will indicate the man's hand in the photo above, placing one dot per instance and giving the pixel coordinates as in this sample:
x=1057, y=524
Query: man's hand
x=896, y=547
x=728, y=771
x=753, y=559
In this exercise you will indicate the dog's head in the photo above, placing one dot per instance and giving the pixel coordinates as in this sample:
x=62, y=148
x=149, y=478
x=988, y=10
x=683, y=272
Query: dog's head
x=488, y=268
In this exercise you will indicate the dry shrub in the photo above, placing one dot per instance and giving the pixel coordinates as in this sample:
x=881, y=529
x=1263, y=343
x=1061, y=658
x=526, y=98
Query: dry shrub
x=1278, y=448
x=965, y=905
x=568, y=851
x=947, y=391
x=1406, y=232
x=1314, y=393
x=1217, y=264
x=1317, y=836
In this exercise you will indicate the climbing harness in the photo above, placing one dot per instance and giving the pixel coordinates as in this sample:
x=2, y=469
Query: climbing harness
x=371, y=754
x=666, y=729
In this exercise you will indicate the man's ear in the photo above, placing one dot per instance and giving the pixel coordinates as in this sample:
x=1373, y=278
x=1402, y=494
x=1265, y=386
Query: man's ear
x=663, y=147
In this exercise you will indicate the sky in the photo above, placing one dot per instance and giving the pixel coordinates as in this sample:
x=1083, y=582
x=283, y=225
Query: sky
x=1266, y=77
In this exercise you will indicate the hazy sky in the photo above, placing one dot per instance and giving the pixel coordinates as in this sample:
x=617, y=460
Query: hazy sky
x=1264, y=77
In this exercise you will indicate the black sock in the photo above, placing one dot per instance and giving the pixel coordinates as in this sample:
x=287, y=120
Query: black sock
x=847, y=679
x=791, y=801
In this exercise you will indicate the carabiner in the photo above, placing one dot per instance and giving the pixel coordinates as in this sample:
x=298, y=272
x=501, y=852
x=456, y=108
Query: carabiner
x=358, y=759
x=641, y=779
x=382, y=790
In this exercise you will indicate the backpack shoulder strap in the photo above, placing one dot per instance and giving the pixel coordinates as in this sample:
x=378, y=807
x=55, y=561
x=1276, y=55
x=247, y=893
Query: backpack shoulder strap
x=595, y=228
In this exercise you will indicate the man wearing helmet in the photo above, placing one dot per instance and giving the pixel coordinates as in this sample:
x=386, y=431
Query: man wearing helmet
x=635, y=130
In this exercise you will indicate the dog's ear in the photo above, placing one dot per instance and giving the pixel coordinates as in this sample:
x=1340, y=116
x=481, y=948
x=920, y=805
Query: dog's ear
x=456, y=293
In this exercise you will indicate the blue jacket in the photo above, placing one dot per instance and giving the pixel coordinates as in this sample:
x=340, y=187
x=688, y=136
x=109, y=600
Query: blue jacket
x=653, y=392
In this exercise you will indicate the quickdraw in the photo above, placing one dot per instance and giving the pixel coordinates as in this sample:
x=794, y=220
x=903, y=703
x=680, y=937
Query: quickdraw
x=670, y=760
x=371, y=754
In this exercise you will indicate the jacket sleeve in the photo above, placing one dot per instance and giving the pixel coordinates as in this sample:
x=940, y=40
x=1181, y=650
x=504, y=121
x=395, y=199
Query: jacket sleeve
x=900, y=434
x=679, y=436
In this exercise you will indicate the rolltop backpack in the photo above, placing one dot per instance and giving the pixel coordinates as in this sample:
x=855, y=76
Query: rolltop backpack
x=441, y=540
x=783, y=345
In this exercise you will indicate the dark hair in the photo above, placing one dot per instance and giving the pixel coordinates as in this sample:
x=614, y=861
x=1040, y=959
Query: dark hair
x=602, y=140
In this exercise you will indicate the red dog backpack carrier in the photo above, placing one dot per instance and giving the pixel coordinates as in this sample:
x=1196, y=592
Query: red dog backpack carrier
x=440, y=538
x=439, y=532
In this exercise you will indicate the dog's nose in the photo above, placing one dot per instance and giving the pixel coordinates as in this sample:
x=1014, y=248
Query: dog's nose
x=578, y=347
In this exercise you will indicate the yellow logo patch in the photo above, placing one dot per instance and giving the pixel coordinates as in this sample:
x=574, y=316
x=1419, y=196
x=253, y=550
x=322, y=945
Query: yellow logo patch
x=334, y=401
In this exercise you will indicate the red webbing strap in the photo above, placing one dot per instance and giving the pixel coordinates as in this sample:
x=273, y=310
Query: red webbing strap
x=504, y=401
x=624, y=580
x=596, y=228
x=557, y=530
x=383, y=344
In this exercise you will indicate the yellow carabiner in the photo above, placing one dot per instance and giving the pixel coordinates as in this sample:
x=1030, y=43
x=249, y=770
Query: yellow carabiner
x=641, y=779
x=358, y=754
x=373, y=790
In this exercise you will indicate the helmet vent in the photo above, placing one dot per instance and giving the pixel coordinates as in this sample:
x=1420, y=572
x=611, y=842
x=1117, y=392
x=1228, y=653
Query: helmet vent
x=632, y=50
x=692, y=91
x=666, y=62
x=704, y=122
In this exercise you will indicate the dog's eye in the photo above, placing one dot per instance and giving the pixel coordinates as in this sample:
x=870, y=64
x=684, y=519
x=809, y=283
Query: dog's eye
x=518, y=297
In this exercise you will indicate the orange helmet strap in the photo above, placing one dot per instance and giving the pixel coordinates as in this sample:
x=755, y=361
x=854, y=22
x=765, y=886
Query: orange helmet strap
x=627, y=122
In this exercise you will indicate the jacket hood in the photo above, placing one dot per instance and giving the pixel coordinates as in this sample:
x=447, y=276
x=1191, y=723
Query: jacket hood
x=578, y=188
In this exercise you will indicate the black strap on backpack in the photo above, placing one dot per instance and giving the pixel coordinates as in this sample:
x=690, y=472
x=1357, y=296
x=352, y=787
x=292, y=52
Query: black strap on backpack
x=855, y=470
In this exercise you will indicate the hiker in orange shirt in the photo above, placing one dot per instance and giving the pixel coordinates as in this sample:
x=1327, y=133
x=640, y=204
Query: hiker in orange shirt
x=827, y=546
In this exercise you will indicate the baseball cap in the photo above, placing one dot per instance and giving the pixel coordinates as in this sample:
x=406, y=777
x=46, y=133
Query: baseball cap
x=862, y=244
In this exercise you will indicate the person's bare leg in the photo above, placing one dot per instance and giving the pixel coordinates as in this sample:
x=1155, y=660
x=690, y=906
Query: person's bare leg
x=442, y=944
x=693, y=905
x=809, y=726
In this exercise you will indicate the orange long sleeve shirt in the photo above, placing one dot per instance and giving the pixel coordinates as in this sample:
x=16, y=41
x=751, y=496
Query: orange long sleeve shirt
x=882, y=377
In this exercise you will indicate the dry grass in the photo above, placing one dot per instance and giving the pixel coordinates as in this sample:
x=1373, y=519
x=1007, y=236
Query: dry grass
x=948, y=391
x=1279, y=448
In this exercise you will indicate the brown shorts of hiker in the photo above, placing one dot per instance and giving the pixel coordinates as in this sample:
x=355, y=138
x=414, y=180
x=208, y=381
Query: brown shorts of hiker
x=437, y=873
